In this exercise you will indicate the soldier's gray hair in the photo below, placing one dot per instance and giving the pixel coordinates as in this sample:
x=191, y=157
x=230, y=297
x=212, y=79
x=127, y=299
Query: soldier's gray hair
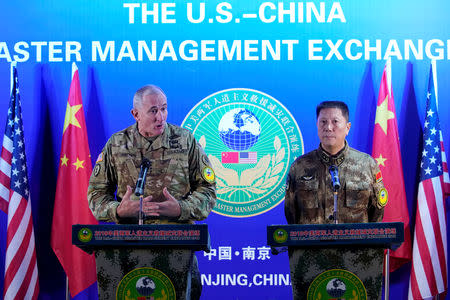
x=148, y=89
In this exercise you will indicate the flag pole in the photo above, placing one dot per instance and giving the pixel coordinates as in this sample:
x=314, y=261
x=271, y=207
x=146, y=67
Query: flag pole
x=13, y=65
x=67, y=288
x=386, y=275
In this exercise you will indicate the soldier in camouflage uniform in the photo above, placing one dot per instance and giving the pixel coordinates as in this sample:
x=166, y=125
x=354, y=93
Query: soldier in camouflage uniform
x=309, y=200
x=180, y=185
x=309, y=194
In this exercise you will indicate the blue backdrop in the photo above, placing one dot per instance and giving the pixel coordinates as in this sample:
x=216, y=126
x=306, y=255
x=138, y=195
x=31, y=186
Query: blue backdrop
x=327, y=51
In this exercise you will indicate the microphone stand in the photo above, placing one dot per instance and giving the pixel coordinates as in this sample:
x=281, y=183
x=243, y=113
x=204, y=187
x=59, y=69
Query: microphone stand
x=139, y=191
x=335, y=204
x=141, y=213
x=336, y=186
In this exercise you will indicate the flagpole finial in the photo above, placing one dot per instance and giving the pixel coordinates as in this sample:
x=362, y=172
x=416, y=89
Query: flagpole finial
x=74, y=68
x=434, y=74
x=389, y=75
x=13, y=65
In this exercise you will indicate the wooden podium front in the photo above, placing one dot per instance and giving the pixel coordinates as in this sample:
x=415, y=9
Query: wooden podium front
x=143, y=261
x=336, y=261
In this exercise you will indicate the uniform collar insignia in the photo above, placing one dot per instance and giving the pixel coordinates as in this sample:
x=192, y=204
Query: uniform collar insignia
x=162, y=141
x=336, y=159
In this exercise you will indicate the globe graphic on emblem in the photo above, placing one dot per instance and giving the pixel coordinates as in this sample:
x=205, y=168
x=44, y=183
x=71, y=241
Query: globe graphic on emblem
x=336, y=288
x=239, y=129
x=145, y=286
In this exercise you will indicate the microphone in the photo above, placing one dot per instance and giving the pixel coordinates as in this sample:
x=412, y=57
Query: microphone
x=335, y=177
x=145, y=166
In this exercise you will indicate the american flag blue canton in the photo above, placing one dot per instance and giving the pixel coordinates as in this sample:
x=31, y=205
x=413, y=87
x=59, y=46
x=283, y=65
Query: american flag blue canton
x=14, y=130
x=431, y=164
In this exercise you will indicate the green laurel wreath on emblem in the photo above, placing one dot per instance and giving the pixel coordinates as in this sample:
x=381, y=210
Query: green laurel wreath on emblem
x=251, y=140
x=145, y=283
x=85, y=235
x=337, y=284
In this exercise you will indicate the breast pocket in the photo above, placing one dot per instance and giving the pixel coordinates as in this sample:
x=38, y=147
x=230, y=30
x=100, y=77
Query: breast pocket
x=357, y=194
x=307, y=191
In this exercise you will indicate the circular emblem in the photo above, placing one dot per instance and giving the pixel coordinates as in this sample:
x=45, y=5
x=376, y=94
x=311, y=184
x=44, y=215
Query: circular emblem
x=251, y=140
x=85, y=235
x=337, y=284
x=208, y=174
x=96, y=169
x=145, y=283
x=280, y=235
x=383, y=197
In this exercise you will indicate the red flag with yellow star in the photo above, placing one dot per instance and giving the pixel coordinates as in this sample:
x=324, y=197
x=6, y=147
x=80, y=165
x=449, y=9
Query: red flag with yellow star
x=71, y=205
x=386, y=151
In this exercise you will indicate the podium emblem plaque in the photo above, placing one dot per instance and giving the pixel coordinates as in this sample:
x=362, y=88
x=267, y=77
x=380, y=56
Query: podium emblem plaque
x=145, y=283
x=337, y=284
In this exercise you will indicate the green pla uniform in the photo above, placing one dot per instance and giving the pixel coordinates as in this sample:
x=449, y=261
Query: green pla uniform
x=177, y=163
x=309, y=200
x=309, y=193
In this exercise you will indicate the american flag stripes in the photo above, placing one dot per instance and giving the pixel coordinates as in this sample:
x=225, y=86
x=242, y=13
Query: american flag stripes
x=429, y=268
x=21, y=273
x=248, y=158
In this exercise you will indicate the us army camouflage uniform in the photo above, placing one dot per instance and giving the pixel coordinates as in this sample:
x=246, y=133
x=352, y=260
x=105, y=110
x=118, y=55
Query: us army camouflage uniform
x=309, y=200
x=309, y=194
x=177, y=162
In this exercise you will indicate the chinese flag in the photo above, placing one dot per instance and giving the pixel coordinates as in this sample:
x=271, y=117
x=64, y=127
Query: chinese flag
x=386, y=151
x=71, y=205
x=230, y=157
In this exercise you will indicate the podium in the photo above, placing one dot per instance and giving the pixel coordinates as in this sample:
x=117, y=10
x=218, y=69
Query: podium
x=143, y=261
x=336, y=261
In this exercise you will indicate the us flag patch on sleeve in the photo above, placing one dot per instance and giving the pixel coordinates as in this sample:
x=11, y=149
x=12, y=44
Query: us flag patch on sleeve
x=99, y=158
x=378, y=177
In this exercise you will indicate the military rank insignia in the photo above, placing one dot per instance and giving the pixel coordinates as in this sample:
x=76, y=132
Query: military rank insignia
x=208, y=174
x=382, y=197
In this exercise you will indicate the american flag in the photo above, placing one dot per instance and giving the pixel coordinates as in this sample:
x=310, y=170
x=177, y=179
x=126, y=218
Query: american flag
x=21, y=273
x=248, y=157
x=429, y=268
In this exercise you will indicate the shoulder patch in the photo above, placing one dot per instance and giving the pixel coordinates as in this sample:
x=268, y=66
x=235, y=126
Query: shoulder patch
x=382, y=197
x=208, y=174
x=96, y=170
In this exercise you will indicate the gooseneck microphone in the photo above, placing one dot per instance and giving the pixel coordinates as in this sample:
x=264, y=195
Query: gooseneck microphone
x=145, y=166
x=335, y=177
x=336, y=186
